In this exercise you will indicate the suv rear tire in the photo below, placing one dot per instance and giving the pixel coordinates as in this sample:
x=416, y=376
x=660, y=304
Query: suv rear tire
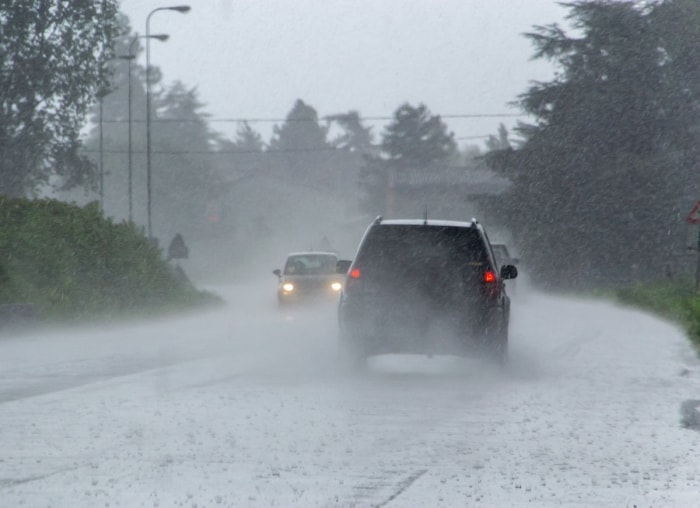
x=498, y=345
x=494, y=339
x=352, y=353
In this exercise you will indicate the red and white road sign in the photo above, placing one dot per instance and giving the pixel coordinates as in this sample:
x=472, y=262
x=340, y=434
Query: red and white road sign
x=694, y=215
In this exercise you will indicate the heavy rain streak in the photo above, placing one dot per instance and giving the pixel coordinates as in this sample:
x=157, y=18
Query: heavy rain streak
x=332, y=254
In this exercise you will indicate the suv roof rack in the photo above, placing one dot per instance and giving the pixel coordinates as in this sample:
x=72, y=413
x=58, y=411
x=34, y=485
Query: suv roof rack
x=378, y=220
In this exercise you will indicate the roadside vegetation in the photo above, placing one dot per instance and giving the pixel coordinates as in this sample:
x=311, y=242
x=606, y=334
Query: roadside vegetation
x=73, y=264
x=675, y=300
x=608, y=167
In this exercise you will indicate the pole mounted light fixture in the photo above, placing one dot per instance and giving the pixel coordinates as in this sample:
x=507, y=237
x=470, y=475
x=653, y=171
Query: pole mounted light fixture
x=180, y=8
x=129, y=57
x=177, y=8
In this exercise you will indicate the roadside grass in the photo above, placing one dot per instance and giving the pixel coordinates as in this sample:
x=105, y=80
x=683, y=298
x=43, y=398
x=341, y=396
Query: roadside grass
x=674, y=300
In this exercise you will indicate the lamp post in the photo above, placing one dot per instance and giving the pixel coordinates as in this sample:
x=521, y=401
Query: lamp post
x=181, y=9
x=129, y=57
x=102, y=92
x=102, y=167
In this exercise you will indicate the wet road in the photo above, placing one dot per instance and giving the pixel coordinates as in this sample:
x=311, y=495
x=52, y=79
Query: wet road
x=248, y=406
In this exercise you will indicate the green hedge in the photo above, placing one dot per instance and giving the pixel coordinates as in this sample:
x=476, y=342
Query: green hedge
x=73, y=264
x=674, y=300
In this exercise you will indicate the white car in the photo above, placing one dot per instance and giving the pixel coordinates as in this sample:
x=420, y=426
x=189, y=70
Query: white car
x=309, y=276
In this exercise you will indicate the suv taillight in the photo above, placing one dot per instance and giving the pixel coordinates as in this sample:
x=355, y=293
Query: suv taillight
x=491, y=287
x=353, y=282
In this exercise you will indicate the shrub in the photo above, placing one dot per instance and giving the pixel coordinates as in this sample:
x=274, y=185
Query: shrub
x=73, y=263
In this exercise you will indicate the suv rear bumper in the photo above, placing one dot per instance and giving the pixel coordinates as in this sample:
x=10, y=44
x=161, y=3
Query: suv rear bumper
x=373, y=329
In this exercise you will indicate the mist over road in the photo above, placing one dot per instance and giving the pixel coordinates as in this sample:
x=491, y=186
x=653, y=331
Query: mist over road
x=249, y=406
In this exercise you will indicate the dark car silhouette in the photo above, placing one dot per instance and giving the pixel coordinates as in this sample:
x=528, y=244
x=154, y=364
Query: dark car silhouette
x=425, y=287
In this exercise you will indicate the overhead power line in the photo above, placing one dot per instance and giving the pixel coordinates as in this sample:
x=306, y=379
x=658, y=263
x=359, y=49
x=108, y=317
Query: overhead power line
x=221, y=152
x=479, y=136
x=266, y=151
x=323, y=118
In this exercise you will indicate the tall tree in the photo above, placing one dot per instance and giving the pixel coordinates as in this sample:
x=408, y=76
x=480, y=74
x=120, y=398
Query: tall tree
x=248, y=140
x=417, y=138
x=354, y=137
x=414, y=140
x=243, y=156
x=677, y=25
x=301, y=131
x=53, y=63
x=353, y=142
x=600, y=178
x=185, y=183
x=499, y=142
x=184, y=179
x=299, y=151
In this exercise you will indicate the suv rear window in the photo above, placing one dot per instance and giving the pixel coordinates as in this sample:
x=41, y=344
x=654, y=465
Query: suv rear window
x=398, y=248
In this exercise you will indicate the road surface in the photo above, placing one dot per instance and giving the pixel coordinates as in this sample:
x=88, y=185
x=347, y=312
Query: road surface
x=249, y=406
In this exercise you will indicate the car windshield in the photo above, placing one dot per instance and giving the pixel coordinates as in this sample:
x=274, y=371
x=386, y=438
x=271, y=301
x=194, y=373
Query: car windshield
x=310, y=264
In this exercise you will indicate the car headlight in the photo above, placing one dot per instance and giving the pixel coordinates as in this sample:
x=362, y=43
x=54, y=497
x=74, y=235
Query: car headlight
x=288, y=287
x=336, y=286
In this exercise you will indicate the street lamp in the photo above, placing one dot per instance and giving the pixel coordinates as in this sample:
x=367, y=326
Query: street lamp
x=101, y=160
x=129, y=57
x=101, y=93
x=181, y=9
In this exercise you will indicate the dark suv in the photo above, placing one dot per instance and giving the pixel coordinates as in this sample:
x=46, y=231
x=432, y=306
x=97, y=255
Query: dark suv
x=425, y=287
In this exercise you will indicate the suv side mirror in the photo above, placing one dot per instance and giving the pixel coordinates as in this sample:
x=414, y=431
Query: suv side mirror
x=509, y=272
x=342, y=266
x=277, y=272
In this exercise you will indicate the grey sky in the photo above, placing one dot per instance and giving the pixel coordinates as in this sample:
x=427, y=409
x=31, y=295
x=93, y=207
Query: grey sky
x=253, y=59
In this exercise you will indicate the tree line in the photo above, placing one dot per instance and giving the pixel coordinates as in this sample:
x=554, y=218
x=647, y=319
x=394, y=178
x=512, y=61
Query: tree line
x=606, y=173
x=601, y=178
x=196, y=170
